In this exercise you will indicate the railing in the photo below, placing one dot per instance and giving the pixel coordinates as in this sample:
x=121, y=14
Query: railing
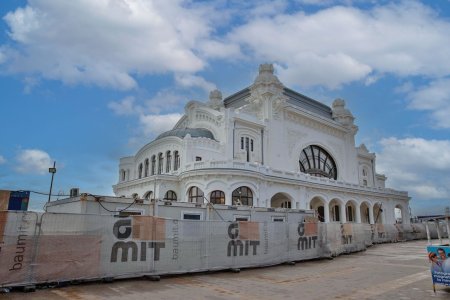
x=265, y=170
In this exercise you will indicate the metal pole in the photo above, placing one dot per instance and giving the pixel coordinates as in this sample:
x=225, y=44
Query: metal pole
x=428, y=232
x=53, y=171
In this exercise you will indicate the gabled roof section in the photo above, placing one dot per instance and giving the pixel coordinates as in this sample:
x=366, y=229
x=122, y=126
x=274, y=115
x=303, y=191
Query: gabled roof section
x=307, y=103
x=237, y=99
x=296, y=99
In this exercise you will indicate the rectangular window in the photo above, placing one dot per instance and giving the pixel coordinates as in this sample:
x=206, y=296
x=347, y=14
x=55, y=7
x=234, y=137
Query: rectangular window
x=191, y=216
x=198, y=158
x=240, y=218
x=278, y=219
x=121, y=212
x=251, y=145
x=242, y=143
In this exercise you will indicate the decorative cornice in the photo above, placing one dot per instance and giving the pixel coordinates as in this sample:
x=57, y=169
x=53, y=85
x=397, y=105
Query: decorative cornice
x=302, y=120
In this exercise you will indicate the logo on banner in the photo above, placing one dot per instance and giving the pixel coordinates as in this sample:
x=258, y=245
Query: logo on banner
x=244, y=238
x=307, y=232
x=146, y=232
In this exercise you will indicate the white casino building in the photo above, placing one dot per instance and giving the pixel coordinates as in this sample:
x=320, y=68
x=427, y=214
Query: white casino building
x=265, y=146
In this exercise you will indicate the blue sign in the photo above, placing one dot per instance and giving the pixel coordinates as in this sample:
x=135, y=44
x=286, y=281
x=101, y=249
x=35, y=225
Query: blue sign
x=18, y=200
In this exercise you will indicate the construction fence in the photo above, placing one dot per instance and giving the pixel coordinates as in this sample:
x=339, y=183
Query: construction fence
x=37, y=248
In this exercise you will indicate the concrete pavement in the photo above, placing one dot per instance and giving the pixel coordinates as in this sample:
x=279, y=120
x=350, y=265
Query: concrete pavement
x=387, y=271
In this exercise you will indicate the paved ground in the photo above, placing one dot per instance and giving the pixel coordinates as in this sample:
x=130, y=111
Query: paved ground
x=389, y=271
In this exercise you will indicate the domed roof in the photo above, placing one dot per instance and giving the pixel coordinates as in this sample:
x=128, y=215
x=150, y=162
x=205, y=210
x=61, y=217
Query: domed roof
x=182, y=132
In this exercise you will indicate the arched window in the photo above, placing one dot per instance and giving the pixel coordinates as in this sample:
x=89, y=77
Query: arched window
x=315, y=161
x=168, y=161
x=122, y=175
x=171, y=196
x=176, y=163
x=146, y=167
x=160, y=163
x=242, y=196
x=140, y=170
x=153, y=164
x=148, y=195
x=217, y=197
x=195, y=195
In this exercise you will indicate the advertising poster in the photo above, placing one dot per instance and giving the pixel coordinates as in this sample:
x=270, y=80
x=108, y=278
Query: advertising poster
x=438, y=256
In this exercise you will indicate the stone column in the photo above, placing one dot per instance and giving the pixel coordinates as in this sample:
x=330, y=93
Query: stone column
x=343, y=213
x=358, y=213
x=371, y=218
x=326, y=210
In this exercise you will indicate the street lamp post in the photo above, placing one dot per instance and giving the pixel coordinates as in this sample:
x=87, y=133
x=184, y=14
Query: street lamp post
x=53, y=171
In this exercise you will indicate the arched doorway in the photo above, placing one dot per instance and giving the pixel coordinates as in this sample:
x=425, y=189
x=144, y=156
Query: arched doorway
x=281, y=200
x=377, y=213
x=318, y=204
x=335, y=211
x=365, y=213
x=350, y=211
x=399, y=214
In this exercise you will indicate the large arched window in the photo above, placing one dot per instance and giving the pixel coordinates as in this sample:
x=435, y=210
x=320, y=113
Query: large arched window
x=242, y=196
x=217, y=197
x=146, y=167
x=140, y=171
x=195, y=195
x=315, y=161
x=171, y=196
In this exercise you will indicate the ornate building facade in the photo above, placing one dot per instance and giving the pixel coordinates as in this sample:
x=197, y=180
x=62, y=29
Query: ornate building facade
x=265, y=146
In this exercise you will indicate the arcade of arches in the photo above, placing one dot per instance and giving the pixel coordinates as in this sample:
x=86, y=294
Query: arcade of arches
x=349, y=211
x=334, y=210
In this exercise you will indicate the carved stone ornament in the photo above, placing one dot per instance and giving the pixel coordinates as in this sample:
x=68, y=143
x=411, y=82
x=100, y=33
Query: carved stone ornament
x=266, y=89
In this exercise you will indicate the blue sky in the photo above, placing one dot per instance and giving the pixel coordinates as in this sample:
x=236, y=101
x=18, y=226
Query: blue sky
x=84, y=83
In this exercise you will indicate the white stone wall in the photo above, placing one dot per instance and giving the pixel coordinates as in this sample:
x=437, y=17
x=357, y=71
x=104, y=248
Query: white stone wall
x=279, y=131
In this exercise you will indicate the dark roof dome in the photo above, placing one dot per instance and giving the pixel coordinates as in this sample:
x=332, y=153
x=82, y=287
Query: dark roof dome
x=182, y=132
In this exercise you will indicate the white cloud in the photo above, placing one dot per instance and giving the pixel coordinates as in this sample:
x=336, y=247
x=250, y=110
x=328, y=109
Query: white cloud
x=417, y=165
x=189, y=80
x=153, y=115
x=33, y=161
x=337, y=45
x=110, y=43
x=106, y=42
x=2, y=160
x=156, y=124
x=435, y=97
x=124, y=107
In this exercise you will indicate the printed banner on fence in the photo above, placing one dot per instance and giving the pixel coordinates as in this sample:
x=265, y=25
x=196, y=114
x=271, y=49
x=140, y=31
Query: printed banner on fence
x=67, y=257
x=439, y=259
x=16, y=246
x=148, y=228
